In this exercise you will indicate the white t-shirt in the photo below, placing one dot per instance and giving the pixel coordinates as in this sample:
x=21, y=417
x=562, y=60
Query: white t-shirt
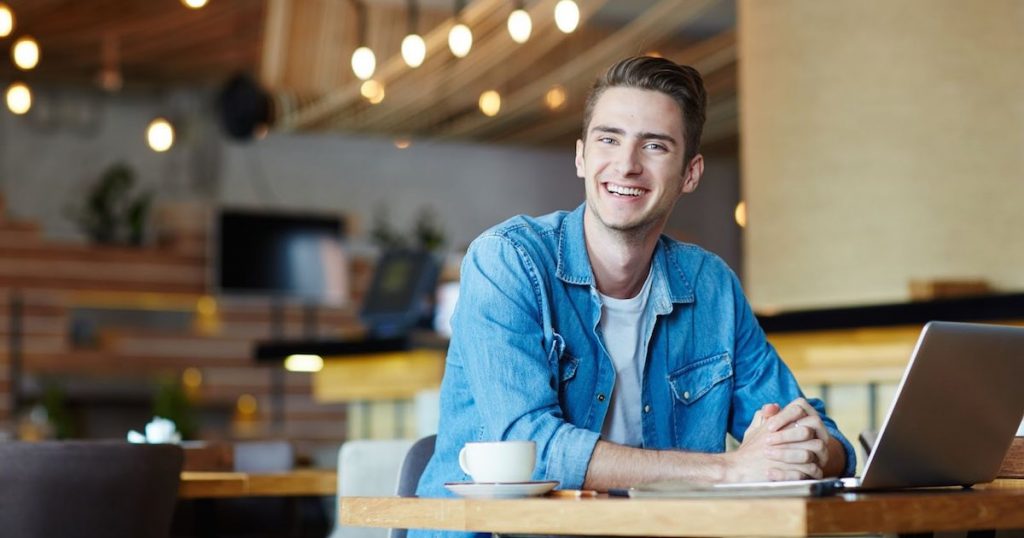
x=622, y=325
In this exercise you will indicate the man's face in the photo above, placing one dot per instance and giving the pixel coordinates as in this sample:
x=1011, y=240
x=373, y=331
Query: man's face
x=632, y=160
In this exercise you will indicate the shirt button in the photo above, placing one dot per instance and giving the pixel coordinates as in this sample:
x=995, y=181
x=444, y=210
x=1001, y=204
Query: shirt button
x=647, y=409
x=600, y=397
x=686, y=395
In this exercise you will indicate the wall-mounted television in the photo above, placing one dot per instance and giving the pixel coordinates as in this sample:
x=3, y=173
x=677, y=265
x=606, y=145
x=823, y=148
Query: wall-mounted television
x=281, y=255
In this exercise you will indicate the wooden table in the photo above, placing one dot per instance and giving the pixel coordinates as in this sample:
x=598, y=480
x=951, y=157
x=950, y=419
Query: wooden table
x=298, y=483
x=990, y=507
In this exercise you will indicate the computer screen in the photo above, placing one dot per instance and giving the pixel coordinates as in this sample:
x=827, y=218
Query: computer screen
x=283, y=255
x=400, y=293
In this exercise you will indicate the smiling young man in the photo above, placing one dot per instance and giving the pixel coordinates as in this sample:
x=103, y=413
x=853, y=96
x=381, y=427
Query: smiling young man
x=626, y=356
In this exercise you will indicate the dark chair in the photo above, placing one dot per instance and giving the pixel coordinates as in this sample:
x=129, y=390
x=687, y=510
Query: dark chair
x=409, y=475
x=88, y=489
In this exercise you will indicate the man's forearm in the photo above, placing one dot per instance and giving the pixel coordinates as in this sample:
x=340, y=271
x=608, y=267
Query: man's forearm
x=617, y=466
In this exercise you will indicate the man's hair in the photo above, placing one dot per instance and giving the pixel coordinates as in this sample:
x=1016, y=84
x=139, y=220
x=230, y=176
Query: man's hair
x=680, y=82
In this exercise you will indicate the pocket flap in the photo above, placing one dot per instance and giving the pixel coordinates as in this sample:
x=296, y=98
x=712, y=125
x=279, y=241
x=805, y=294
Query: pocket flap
x=694, y=380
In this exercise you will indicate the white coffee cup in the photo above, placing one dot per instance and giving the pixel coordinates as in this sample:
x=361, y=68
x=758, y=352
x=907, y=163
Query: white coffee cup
x=499, y=461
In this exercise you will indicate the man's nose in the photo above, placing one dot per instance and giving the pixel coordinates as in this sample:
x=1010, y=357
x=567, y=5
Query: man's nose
x=628, y=161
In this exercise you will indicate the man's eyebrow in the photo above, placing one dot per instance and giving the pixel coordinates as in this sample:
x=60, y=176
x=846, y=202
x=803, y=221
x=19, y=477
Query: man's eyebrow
x=608, y=129
x=657, y=136
x=642, y=135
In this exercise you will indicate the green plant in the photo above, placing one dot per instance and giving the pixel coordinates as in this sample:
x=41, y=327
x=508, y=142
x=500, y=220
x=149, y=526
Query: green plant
x=112, y=213
x=172, y=403
x=427, y=233
x=57, y=414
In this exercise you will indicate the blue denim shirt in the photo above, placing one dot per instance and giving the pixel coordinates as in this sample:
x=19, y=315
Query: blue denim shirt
x=526, y=360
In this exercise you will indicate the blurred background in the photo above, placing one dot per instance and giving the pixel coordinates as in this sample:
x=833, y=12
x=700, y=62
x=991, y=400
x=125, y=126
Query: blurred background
x=195, y=190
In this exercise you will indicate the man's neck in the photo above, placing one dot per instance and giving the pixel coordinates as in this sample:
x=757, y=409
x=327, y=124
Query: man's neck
x=621, y=261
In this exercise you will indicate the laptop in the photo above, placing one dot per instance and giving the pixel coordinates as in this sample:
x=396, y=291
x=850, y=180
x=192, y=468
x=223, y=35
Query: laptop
x=954, y=416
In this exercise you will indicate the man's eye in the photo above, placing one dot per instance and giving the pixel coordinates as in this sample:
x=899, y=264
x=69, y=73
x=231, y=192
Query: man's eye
x=654, y=146
x=606, y=140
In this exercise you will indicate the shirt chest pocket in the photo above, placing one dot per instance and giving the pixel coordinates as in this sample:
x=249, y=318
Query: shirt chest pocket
x=702, y=391
x=695, y=380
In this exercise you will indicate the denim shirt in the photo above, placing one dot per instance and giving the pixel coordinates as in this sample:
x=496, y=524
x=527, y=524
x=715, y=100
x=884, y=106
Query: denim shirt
x=527, y=361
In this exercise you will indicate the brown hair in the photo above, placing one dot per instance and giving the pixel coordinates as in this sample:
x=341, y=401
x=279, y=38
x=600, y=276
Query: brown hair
x=680, y=82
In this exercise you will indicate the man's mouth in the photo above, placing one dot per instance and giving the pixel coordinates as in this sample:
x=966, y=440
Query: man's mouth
x=621, y=190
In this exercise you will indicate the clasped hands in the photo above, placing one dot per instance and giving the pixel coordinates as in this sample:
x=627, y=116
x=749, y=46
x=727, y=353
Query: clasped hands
x=781, y=443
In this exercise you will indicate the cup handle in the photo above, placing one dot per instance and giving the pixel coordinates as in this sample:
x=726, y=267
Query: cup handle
x=462, y=461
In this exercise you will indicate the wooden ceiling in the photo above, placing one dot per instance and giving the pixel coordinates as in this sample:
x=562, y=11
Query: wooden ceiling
x=300, y=50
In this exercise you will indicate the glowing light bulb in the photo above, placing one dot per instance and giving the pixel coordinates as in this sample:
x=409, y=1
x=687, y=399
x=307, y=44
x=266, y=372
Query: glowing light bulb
x=556, y=97
x=567, y=16
x=402, y=143
x=194, y=4
x=741, y=214
x=160, y=135
x=303, y=363
x=364, y=63
x=520, y=26
x=25, y=53
x=414, y=50
x=373, y=91
x=19, y=98
x=6, y=20
x=460, y=40
x=490, y=103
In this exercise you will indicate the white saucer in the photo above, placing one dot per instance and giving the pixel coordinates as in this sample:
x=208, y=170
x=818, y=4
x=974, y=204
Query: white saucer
x=500, y=490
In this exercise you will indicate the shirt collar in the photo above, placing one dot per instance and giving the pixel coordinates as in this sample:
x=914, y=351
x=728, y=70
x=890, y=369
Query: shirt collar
x=574, y=263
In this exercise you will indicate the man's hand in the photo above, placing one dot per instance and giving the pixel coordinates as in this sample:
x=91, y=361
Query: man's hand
x=753, y=461
x=798, y=436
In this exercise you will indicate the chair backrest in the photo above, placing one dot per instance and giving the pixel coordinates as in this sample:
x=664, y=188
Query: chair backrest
x=412, y=468
x=368, y=468
x=88, y=488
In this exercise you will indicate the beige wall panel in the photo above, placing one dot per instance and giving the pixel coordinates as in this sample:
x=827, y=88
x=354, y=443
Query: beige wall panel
x=882, y=141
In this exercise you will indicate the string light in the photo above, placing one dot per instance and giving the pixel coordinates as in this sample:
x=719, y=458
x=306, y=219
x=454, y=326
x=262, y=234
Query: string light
x=19, y=98
x=520, y=25
x=25, y=53
x=555, y=97
x=741, y=214
x=194, y=4
x=373, y=91
x=364, y=62
x=160, y=135
x=567, y=16
x=6, y=20
x=414, y=49
x=460, y=40
x=490, y=103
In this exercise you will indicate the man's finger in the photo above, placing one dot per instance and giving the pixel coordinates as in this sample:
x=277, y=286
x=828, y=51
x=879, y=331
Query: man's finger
x=788, y=414
x=792, y=434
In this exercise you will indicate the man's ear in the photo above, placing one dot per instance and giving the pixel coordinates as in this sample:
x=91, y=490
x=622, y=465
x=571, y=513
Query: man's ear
x=579, y=160
x=692, y=174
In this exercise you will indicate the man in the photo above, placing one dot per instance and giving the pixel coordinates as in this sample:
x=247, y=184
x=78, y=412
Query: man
x=626, y=356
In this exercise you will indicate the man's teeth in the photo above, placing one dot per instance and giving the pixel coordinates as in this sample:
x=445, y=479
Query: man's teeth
x=625, y=191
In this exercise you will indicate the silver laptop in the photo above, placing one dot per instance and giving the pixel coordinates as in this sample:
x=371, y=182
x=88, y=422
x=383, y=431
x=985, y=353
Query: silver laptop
x=954, y=416
x=956, y=410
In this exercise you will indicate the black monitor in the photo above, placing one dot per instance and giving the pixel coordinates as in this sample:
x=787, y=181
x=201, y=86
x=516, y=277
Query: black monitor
x=281, y=255
x=400, y=293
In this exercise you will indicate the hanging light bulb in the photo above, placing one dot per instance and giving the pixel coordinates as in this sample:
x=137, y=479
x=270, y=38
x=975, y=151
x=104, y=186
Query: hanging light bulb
x=25, y=53
x=567, y=16
x=460, y=40
x=740, y=214
x=364, y=63
x=414, y=50
x=373, y=91
x=194, y=4
x=520, y=25
x=555, y=97
x=490, y=103
x=19, y=98
x=6, y=20
x=160, y=135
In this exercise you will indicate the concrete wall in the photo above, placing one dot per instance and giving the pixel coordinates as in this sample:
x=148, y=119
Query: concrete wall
x=881, y=142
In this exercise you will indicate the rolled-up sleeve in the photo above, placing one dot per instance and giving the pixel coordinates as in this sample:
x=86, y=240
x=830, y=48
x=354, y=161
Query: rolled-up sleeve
x=503, y=342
